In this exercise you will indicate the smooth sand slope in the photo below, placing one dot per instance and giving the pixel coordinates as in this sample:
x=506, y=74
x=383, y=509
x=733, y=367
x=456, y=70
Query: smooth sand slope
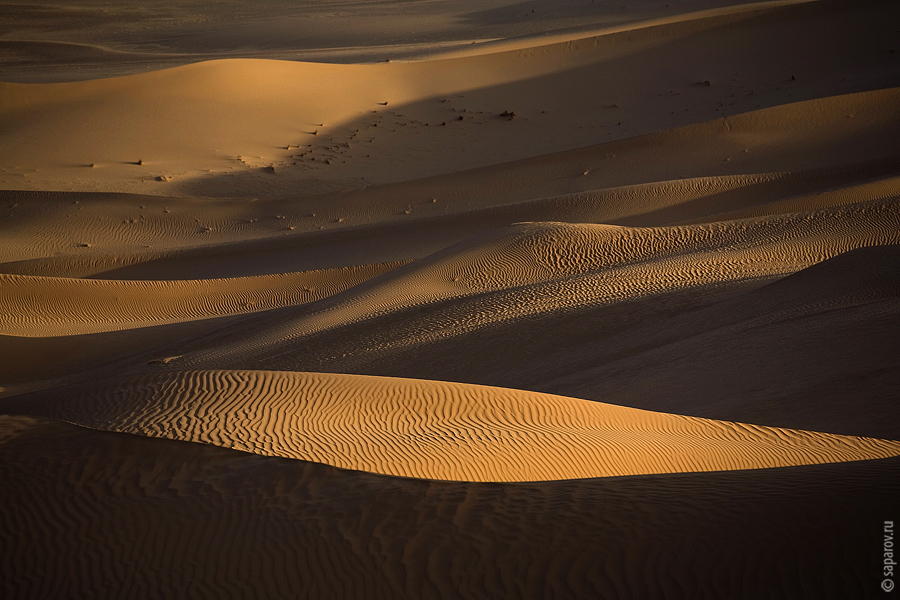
x=90, y=305
x=602, y=305
x=87, y=42
x=432, y=430
x=257, y=127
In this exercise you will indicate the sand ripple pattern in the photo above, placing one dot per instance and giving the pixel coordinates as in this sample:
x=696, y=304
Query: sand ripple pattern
x=91, y=514
x=544, y=267
x=432, y=430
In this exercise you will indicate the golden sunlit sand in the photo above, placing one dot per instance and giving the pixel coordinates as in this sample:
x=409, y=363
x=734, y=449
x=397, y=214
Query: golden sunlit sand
x=434, y=430
x=478, y=299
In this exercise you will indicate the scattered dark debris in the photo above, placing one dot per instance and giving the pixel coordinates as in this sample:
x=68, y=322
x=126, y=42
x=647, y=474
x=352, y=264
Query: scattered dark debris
x=508, y=114
x=162, y=361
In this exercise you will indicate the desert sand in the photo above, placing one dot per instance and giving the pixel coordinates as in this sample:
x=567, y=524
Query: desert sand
x=480, y=299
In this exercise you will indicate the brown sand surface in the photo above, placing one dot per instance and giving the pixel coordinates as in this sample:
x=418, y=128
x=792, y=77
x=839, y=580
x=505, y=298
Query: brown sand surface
x=470, y=299
x=144, y=518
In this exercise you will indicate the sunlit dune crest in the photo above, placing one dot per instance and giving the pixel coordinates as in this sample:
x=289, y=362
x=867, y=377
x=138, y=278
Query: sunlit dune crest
x=434, y=430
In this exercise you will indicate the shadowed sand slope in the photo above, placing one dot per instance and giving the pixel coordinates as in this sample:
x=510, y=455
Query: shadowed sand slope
x=430, y=429
x=548, y=268
x=827, y=339
x=90, y=514
x=791, y=353
x=116, y=236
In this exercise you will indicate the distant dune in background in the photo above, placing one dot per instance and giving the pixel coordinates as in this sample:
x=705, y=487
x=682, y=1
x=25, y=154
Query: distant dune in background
x=479, y=299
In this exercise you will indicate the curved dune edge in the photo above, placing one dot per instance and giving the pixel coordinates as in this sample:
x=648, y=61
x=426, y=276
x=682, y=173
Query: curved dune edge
x=98, y=514
x=432, y=430
x=549, y=267
x=77, y=306
x=225, y=125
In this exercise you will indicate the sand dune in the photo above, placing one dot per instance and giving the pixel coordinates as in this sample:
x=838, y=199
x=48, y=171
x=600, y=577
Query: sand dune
x=91, y=305
x=177, y=516
x=471, y=299
x=92, y=42
x=826, y=339
x=546, y=268
x=216, y=127
x=829, y=337
x=638, y=181
x=432, y=430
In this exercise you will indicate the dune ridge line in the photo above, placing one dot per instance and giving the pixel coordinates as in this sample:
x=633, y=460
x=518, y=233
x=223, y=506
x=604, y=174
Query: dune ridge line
x=430, y=429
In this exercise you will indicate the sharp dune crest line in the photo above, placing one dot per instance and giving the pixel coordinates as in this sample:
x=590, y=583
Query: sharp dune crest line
x=433, y=430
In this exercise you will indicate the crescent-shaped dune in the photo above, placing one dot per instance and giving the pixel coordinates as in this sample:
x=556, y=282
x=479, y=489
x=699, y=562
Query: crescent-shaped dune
x=433, y=430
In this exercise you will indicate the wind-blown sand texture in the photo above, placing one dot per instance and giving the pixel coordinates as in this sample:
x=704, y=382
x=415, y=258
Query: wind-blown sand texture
x=481, y=299
x=433, y=430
